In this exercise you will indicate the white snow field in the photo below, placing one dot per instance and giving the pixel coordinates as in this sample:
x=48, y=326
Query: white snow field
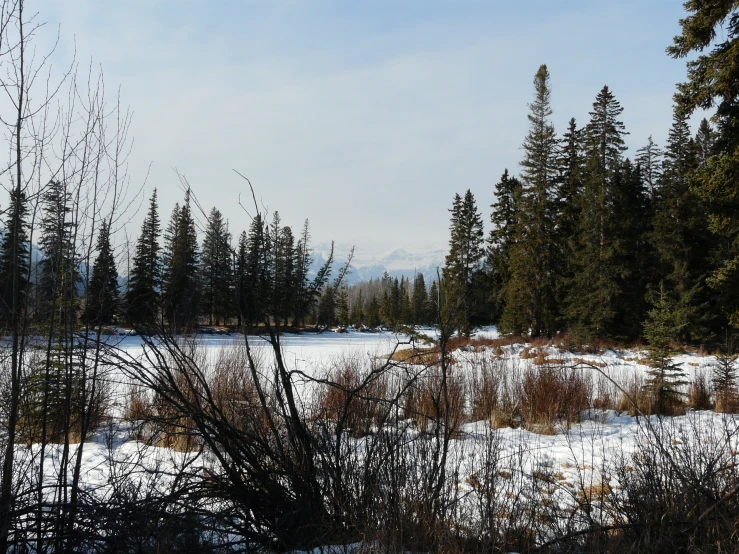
x=575, y=459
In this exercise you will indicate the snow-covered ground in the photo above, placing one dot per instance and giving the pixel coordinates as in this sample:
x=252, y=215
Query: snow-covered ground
x=574, y=459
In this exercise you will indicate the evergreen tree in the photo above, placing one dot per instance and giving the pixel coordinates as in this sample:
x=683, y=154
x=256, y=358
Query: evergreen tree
x=663, y=325
x=530, y=290
x=357, y=311
x=342, y=306
x=633, y=256
x=649, y=159
x=568, y=209
x=418, y=301
x=500, y=240
x=59, y=275
x=14, y=260
x=255, y=276
x=181, y=293
x=432, y=304
x=102, y=293
x=241, y=283
x=283, y=273
x=216, y=269
x=304, y=296
x=591, y=304
x=711, y=85
x=704, y=140
x=145, y=281
x=680, y=236
x=462, y=262
x=372, y=314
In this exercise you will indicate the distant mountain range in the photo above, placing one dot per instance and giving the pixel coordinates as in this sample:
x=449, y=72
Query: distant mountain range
x=368, y=264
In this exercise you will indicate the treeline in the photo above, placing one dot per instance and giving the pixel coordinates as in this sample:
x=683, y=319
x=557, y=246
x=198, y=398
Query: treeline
x=181, y=284
x=593, y=243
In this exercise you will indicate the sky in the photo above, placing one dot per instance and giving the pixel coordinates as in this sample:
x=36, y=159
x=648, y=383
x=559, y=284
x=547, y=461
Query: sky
x=365, y=117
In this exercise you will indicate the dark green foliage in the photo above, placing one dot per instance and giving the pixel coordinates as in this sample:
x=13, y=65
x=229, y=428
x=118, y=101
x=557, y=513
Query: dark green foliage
x=680, y=238
x=181, y=290
x=418, y=301
x=462, y=262
x=664, y=324
x=567, y=210
x=500, y=240
x=144, y=282
x=283, y=283
x=529, y=293
x=59, y=275
x=649, y=159
x=216, y=270
x=591, y=304
x=102, y=293
x=712, y=85
x=14, y=260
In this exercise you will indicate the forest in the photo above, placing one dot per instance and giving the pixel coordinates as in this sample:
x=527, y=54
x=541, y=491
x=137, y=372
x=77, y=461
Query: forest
x=567, y=383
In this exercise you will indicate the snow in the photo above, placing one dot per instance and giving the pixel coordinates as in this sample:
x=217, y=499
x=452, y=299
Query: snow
x=578, y=456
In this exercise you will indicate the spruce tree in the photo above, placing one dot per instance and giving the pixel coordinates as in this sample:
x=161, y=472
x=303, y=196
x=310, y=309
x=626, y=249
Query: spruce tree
x=663, y=326
x=592, y=301
x=649, y=158
x=14, y=260
x=680, y=236
x=530, y=291
x=216, y=269
x=568, y=209
x=181, y=295
x=144, y=283
x=283, y=273
x=59, y=275
x=711, y=85
x=303, y=296
x=103, y=294
x=462, y=262
x=418, y=301
x=501, y=238
x=241, y=283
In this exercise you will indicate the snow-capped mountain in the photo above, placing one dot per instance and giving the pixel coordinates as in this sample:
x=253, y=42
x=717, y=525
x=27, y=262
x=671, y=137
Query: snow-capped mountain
x=368, y=264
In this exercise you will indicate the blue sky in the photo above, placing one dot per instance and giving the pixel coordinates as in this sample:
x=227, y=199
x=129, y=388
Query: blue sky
x=365, y=117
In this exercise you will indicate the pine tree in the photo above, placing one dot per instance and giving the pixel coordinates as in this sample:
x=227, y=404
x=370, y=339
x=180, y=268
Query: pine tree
x=256, y=274
x=711, y=85
x=303, y=296
x=102, y=293
x=462, y=262
x=181, y=294
x=633, y=256
x=591, y=304
x=530, y=290
x=705, y=141
x=283, y=272
x=145, y=281
x=500, y=240
x=342, y=306
x=59, y=275
x=680, y=236
x=372, y=314
x=14, y=260
x=241, y=283
x=568, y=209
x=432, y=304
x=663, y=325
x=418, y=301
x=649, y=158
x=725, y=383
x=216, y=269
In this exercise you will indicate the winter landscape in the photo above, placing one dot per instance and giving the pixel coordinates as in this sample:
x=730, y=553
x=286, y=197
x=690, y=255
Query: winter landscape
x=189, y=362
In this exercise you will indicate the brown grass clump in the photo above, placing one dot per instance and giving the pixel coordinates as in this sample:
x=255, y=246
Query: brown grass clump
x=354, y=398
x=417, y=356
x=426, y=403
x=699, y=393
x=550, y=394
